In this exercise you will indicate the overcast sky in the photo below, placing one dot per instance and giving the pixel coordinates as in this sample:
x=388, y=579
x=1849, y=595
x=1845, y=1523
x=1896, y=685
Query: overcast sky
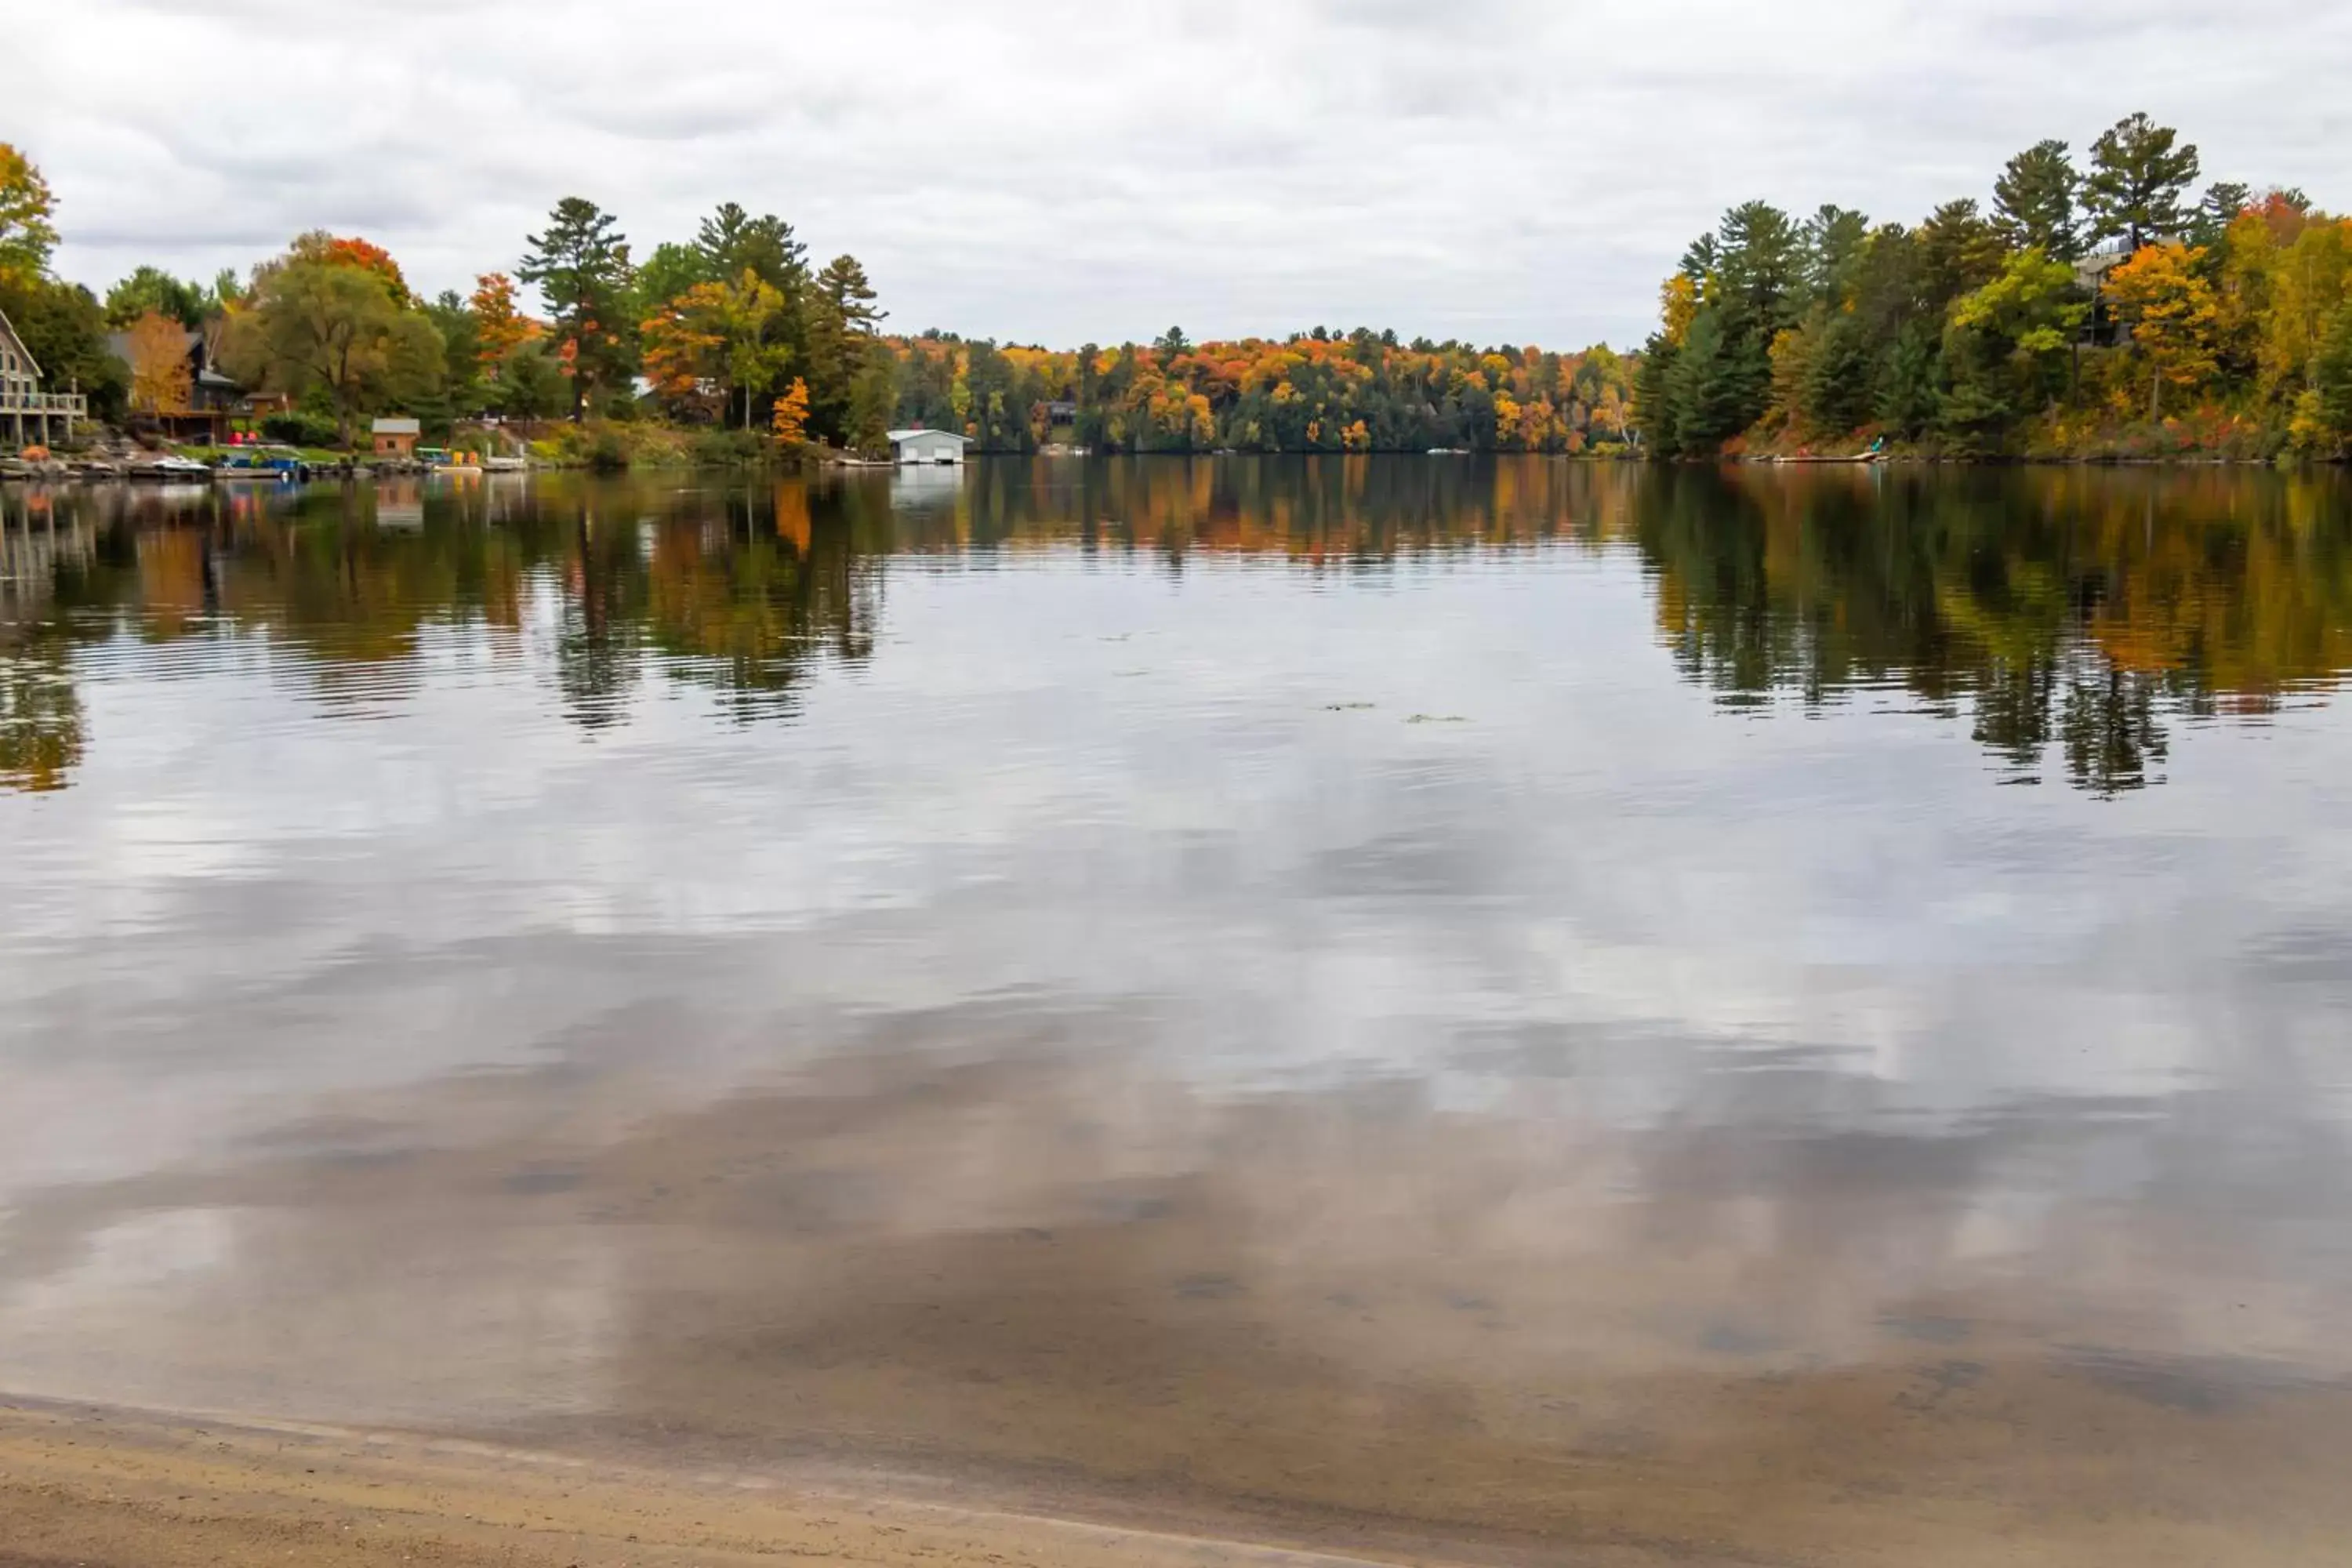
x=1513, y=170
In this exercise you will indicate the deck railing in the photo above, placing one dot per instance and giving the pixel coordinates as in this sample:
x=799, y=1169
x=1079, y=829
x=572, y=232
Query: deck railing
x=14, y=400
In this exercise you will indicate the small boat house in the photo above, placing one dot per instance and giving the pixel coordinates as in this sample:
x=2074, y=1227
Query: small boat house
x=926, y=447
x=396, y=437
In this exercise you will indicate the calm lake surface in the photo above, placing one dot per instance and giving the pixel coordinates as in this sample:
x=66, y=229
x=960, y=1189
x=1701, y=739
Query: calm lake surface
x=1776, y=1016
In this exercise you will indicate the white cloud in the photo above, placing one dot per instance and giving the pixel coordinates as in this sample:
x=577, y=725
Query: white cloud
x=1513, y=170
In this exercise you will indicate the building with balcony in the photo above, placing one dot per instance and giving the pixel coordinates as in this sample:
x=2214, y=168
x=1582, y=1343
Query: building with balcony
x=30, y=415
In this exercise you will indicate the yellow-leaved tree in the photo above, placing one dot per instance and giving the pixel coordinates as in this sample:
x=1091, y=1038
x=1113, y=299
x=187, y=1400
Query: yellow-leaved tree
x=1677, y=304
x=27, y=233
x=2174, y=315
x=157, y=348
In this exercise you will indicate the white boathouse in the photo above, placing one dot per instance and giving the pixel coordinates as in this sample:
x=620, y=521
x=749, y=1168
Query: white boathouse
x=926, y=447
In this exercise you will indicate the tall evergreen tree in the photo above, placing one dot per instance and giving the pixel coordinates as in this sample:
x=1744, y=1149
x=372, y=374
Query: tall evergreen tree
x=1957, y=251
x=1837, y=378
x=841, y=322
x=2216, y=210
x=848, y=294
x=1834, y=241
x=2033, y=201
x=1718, y=386
x=1761, y=265
x=581, y=267
x=2138, y=174
x=734, y=243
x=1653, y=400
x=1700, y=259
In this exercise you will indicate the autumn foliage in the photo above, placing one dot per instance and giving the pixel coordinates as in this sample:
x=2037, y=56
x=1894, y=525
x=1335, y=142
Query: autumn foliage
x=159, y=378
x=499, y=325
x=2092, y=312
x=360, y=255
x=27, y=233
x=1316, y=391
x=790, y=421
x=2172, y=313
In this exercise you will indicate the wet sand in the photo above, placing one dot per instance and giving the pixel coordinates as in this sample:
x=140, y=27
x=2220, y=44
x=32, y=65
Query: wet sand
x=123, y=1490
x=111, y=1488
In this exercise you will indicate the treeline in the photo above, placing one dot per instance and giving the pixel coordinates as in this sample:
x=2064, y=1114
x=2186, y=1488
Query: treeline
x=2099, y=309
x=731, y=327
x=1318, y=392
x=2094, y=309
x=735, y=328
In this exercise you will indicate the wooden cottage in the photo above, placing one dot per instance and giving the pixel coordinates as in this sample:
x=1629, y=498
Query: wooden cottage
x=396, y=437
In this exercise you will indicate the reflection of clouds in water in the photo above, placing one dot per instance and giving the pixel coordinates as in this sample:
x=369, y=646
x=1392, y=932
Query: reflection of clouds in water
x=1102, y=1028
x=1296, y=891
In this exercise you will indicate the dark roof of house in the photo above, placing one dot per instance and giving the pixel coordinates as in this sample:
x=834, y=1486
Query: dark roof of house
x=119, y=345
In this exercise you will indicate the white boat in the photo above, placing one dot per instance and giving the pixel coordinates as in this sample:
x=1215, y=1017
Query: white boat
x=170, y=468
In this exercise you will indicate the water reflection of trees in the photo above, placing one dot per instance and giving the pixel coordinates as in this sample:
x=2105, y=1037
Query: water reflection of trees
x=41, y=726
x=2071, y=615
x=40, y=716
x=2069, y=610
x=740, y=591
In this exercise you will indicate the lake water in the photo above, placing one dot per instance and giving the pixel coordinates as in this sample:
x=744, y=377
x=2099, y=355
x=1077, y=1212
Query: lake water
x=1775, y=1016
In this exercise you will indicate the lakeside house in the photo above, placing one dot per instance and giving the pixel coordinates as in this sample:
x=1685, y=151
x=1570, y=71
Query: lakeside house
x=27, y=409
x=2101, y=329
x=926, y=447
x=213, y=398
x=396, y=437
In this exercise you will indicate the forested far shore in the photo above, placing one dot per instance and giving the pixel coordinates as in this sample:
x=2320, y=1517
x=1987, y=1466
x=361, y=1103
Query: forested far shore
x=734, y=337
x=2095, y=310
x=2094, y=313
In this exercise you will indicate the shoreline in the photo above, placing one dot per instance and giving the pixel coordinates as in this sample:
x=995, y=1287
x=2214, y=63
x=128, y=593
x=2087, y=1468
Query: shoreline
x=354, y=472
x=107, y=1486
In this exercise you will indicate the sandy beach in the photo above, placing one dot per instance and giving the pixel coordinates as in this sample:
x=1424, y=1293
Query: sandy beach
x=123, y=1490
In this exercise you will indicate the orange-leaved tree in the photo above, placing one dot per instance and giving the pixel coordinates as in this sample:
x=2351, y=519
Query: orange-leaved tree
x=684, y=343
x=2173, y=313
x=360, y=255
x=499, y=325
x=717, y=334
x=791, y=421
